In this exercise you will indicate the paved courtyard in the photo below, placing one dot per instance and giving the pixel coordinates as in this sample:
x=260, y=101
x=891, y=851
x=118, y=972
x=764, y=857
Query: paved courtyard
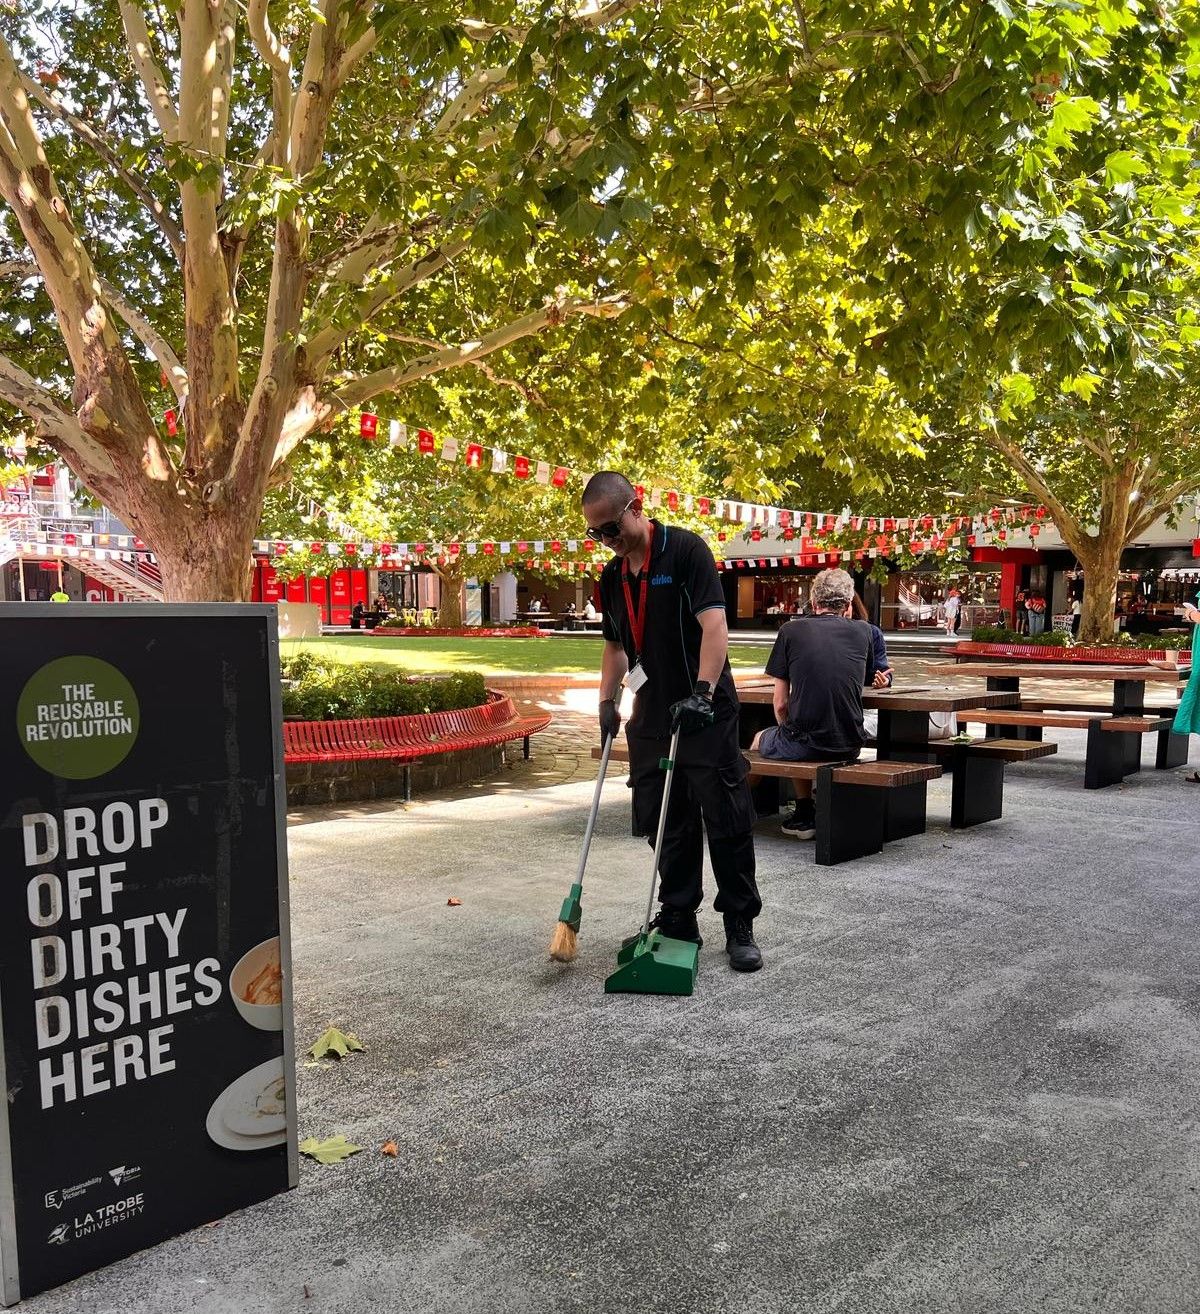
x=965, y=1081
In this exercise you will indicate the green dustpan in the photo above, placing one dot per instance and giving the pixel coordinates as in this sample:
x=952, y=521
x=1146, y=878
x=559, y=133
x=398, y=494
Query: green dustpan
x=651, y=963
x=654, y=964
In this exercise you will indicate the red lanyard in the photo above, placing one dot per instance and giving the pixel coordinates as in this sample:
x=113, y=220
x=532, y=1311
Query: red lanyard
x=636, y=623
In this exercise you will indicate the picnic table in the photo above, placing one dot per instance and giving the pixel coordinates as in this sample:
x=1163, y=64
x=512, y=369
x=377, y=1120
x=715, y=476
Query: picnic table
x=1114, y=732
x=1128, y=682
x=976, y=766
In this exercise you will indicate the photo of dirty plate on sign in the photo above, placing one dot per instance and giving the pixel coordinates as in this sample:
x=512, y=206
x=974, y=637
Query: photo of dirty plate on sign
x=256, y=986
x=251, y=1112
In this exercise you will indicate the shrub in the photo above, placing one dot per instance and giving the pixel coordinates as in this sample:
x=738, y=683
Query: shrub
x=319, y=690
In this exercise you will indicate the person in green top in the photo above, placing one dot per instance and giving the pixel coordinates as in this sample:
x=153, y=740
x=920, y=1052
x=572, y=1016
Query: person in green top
x=1187, y=716
x=59, y=596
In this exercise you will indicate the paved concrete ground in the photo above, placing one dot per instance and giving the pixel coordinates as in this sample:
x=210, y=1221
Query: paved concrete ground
x=965, y=1081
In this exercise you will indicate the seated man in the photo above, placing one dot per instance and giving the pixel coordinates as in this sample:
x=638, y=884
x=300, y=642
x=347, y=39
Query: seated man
x=820, y=665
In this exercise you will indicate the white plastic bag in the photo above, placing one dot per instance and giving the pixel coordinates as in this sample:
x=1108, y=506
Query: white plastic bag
x=943, y=725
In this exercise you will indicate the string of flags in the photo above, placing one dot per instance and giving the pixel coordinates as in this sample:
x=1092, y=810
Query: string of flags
x=558, y=474
x=819, y=536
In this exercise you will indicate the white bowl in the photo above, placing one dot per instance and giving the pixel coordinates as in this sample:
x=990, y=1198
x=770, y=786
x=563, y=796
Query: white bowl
x=266, y=1017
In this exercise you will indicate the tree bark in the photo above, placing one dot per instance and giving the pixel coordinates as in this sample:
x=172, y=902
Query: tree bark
x=450, y=611
x=204, y=558
x=1101, y=569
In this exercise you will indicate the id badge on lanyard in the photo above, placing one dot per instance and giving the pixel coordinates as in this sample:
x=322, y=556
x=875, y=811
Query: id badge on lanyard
x=636, y=676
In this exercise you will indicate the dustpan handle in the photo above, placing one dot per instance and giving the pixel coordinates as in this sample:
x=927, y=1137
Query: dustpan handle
x=662, y=826
x=591, y=821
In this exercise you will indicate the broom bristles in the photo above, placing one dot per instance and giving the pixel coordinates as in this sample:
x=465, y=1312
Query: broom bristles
x=563, y=943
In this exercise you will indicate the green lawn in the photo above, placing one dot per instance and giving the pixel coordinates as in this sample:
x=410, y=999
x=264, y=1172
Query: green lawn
x=492, y=656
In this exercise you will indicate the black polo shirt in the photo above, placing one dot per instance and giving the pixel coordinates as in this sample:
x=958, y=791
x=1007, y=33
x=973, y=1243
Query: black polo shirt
x=683, y=584
x=824, y=659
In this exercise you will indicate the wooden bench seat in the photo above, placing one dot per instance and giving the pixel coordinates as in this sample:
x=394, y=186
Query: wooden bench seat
x=977, y=771
x=1171, y=750
x=1113, y=743
x=858, y=805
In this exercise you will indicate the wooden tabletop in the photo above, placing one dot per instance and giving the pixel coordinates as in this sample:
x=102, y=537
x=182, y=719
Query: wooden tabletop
x=940, y=700
x=910, y=699
x=1063, y=671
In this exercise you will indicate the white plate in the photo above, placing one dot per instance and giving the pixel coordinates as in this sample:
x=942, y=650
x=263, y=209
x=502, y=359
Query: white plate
x=232, y=1121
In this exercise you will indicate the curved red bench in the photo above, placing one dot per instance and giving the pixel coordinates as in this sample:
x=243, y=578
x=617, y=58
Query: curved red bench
x=409, y=739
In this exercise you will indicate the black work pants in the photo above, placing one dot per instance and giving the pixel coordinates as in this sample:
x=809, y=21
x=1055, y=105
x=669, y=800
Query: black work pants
x=708, y=793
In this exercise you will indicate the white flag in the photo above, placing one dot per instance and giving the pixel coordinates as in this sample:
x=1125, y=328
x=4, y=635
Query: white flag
x=397, y=434
x=499, y=461
x=542, y=475
x=450, y=449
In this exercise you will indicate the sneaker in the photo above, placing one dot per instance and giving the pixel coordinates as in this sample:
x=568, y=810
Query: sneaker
x=744, y=954
x=676, y=924
x=802, y=824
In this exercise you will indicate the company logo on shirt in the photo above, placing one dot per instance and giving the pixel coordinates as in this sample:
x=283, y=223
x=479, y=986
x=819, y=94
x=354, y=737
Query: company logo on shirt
x=662, y=579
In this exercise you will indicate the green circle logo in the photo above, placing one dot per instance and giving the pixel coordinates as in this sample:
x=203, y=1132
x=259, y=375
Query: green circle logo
x=77, y=717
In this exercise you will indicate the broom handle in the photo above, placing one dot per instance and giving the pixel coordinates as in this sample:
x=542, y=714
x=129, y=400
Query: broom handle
x=591, y=821
x=662, y=826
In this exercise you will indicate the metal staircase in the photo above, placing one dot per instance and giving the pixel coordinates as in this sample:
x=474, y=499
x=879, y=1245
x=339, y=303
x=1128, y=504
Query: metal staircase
x=137, y=581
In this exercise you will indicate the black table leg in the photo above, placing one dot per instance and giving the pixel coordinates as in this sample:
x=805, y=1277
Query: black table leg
x=1172, y=749
x=1008, y=684
x=899, y=731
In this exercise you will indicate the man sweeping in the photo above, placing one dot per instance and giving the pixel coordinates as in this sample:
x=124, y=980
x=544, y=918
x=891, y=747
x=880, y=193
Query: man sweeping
x=665, y=637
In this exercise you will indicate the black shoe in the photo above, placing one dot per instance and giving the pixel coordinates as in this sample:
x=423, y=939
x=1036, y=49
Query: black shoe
x=676, y=924
x=744, y=954
x=802, y=824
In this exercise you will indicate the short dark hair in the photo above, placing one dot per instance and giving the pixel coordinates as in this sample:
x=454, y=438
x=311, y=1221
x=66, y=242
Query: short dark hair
x=609, y=486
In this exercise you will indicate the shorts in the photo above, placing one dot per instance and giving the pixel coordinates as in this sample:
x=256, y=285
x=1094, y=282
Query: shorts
x=778, y=744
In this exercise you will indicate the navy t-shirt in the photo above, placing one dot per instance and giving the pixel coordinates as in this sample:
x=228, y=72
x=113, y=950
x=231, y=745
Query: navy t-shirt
x=684, y=583
x=824, y=660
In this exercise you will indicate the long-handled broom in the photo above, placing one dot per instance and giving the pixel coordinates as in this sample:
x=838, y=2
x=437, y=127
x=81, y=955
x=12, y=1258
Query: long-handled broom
x=562, y=943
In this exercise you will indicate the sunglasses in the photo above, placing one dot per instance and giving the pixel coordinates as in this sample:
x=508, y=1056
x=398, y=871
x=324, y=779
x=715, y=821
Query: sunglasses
x=610, y=528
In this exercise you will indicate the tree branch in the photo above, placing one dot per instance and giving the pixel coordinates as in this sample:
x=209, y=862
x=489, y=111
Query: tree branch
x=324, y=343
x=557, y=312
x=106, y=393
x=101, y=145
x=22, y=390
x=526, y=390
x=149, y=336
x=1068, y=525
x=142, y=52
x=278, y=59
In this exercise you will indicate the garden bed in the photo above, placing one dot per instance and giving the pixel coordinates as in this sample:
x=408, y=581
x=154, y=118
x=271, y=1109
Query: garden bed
x=464, y=632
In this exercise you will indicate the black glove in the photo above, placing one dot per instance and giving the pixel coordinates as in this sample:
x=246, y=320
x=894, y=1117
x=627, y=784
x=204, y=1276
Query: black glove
x=692, y=714
x=610, y=720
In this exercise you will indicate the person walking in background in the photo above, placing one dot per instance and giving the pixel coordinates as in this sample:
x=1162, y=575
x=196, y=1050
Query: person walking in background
x=1020, y=615
x=666, y=639
x=951, y=608
x=1187, y=715
x=1035, y=604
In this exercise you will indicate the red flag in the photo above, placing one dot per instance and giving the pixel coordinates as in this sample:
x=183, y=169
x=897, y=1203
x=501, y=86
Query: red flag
x=169, y=419
x=425, y=441
x=368, y=424
x=474, y=457
x=521, y=467
x=703, y=506
x=560, y=476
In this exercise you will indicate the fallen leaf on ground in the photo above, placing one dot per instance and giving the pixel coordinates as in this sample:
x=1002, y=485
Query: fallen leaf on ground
x=389, y=1147
x=335, y=1042
x=333, y=1150
x=453, y=903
